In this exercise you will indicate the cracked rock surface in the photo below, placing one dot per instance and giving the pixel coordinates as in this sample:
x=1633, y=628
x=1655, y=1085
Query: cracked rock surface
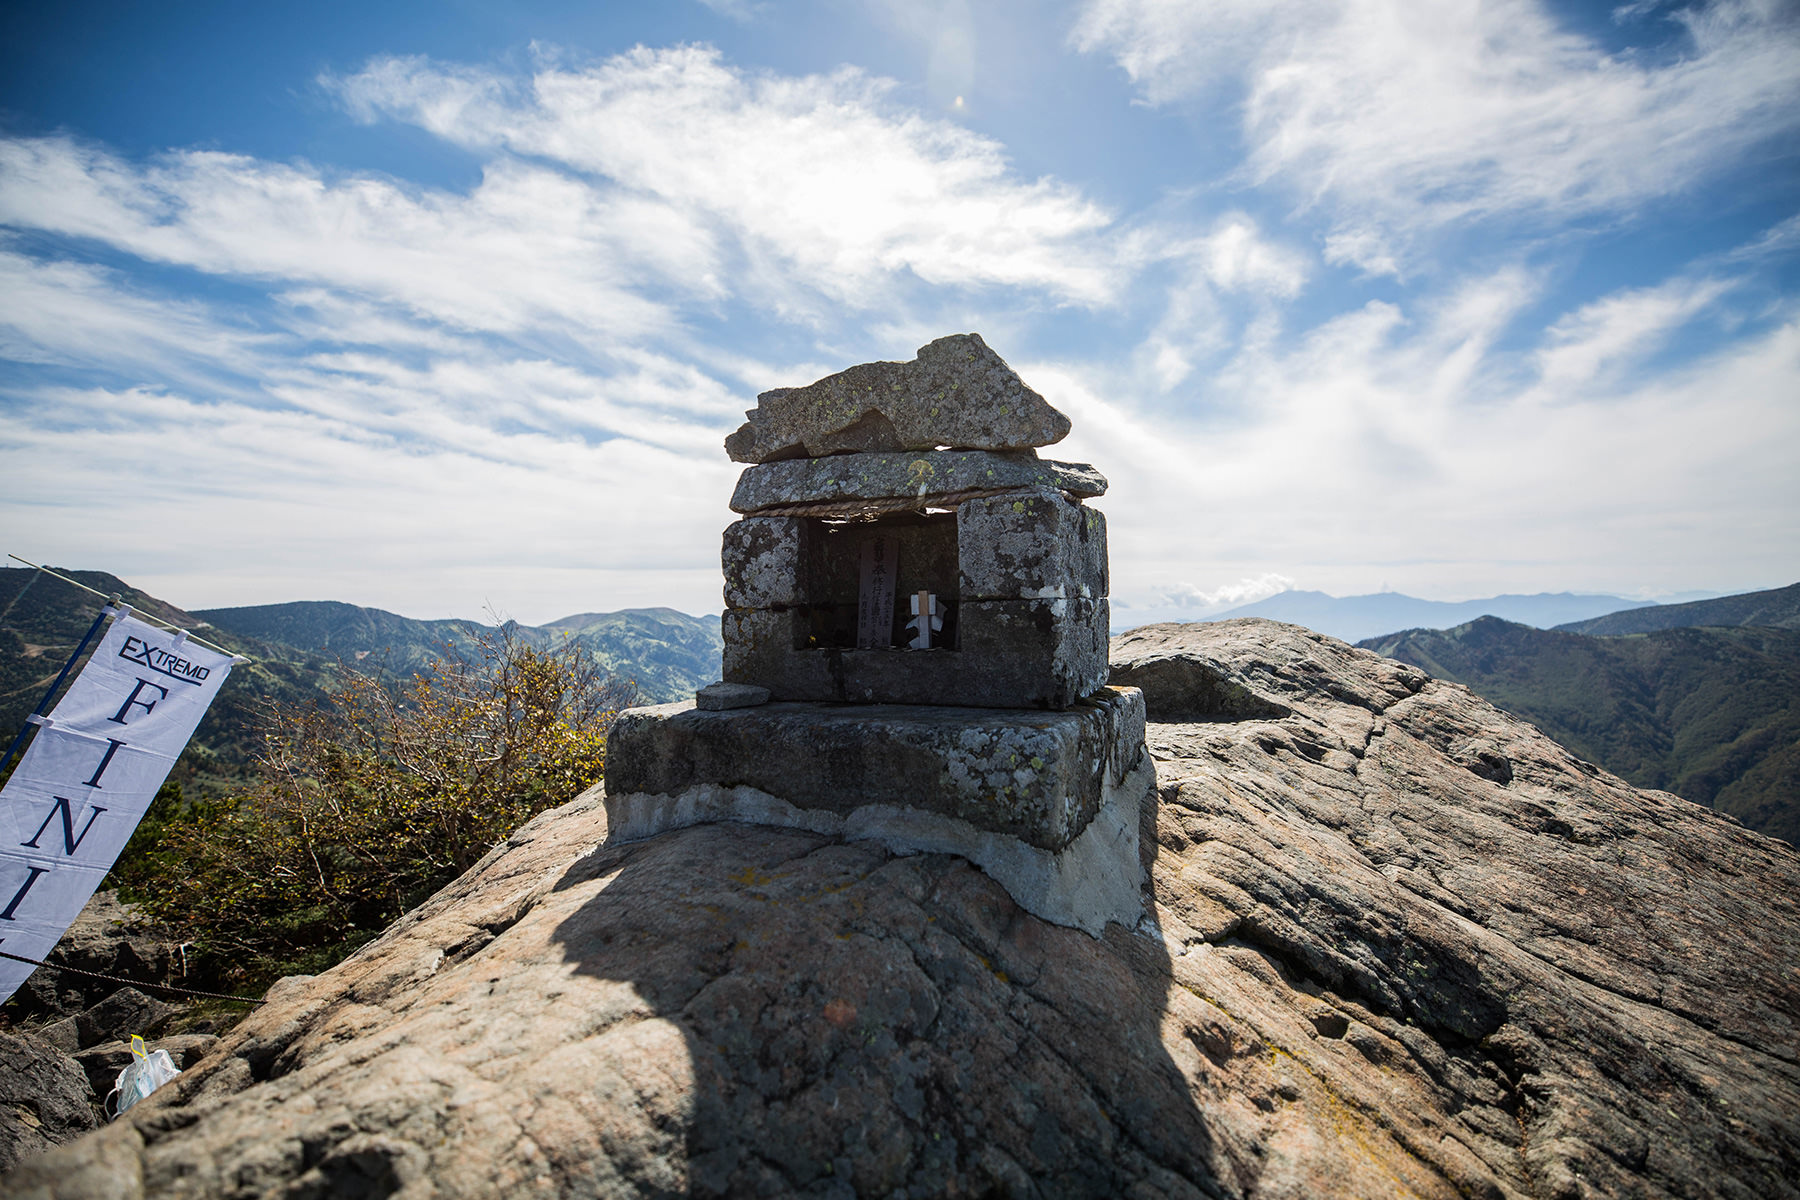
x=1402, y=944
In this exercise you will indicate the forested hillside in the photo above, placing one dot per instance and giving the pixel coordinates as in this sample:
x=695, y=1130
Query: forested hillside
x=666, y=653
x=1777, y=608
x=1711, y=714
x=297, y=652
x=42, y=620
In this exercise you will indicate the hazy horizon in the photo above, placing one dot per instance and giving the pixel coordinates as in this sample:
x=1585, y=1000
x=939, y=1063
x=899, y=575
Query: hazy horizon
x=1124, y=616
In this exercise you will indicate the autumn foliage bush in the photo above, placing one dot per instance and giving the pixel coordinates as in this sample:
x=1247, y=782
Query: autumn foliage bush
x=368, y=802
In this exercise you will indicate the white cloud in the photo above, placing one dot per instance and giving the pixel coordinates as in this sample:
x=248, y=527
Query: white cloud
x=1779, y=240
x=1397, y=116
x=1230, y=595
x=411, y=381
x=428, y=474
x=737, y=10
x=528, y=248
x=822, y=183
x=1412, y=443
x=78, y=314
x=295, y=503
x=1233, y=258
x=1236, y=256
x=1612, y=333
x=426, y=399
x=1363, y=248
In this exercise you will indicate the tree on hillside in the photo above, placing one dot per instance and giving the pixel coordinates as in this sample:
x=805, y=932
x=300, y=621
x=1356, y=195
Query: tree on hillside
x=371, y=799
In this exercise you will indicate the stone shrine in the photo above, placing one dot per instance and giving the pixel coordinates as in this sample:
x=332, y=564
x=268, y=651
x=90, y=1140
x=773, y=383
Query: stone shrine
x=915, y=642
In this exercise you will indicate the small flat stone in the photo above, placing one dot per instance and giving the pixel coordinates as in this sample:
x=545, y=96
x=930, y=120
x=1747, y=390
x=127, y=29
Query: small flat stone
x=956, y=393
x=717, y=697
x=922, y=479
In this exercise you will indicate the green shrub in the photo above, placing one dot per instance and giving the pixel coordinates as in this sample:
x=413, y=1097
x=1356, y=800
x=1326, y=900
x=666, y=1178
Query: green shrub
x=367, y=803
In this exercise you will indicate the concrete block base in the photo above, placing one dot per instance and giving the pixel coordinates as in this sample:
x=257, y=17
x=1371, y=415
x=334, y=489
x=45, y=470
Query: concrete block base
x=1049, y=805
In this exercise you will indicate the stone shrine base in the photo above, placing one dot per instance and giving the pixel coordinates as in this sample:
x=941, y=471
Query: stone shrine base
x=1049, y=804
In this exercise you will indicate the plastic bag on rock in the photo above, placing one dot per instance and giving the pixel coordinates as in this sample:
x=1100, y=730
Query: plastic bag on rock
x=147, y=1071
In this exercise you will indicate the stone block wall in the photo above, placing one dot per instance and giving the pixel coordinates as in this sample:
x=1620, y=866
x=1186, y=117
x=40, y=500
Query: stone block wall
x=1021, y=579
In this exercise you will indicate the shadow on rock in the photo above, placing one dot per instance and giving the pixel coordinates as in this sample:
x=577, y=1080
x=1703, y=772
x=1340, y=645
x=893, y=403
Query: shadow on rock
x=859, y=1023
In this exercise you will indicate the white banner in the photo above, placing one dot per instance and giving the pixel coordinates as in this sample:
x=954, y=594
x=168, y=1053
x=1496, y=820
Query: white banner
x=88, y=777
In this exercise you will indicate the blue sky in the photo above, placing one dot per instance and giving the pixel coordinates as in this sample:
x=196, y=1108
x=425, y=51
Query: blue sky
x=448, y=305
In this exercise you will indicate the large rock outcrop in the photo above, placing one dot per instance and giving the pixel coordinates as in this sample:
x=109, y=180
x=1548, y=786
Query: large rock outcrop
x=45, y=1099
x=1400, y=944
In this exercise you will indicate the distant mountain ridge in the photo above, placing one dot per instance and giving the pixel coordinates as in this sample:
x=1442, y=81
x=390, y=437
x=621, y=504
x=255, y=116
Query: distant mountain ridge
x=45, y=618
x=1777, y=608
x=326, y=624
x=1709, y=713
x=1354, y=618
x=667, y=653
x=295, y=650
x=338, y=630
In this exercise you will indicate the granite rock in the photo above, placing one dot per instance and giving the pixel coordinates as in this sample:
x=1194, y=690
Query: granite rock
x=125, y=1012
x=44, y=1098
x=1182, y=681
x=919, y=479
x=956, y=393
x=1368, y=970
x=109, y=937
x=764, y=560
x=1038, y=545
x=65, y=1034
x=1054, y=807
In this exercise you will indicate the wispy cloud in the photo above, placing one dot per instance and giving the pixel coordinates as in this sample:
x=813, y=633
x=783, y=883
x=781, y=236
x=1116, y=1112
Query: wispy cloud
x=1399, y=118
x=74, y=314
x=737, y=10
x=533, y=248
x=311, y=502
x=1234, y=260
x=1610, y=335
x=1416, y=438
x=1231, y=595
x=822, y=184
x=1779, y=241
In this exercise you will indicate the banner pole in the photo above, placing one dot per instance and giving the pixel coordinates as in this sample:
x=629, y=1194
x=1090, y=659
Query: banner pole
x=44, y=704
